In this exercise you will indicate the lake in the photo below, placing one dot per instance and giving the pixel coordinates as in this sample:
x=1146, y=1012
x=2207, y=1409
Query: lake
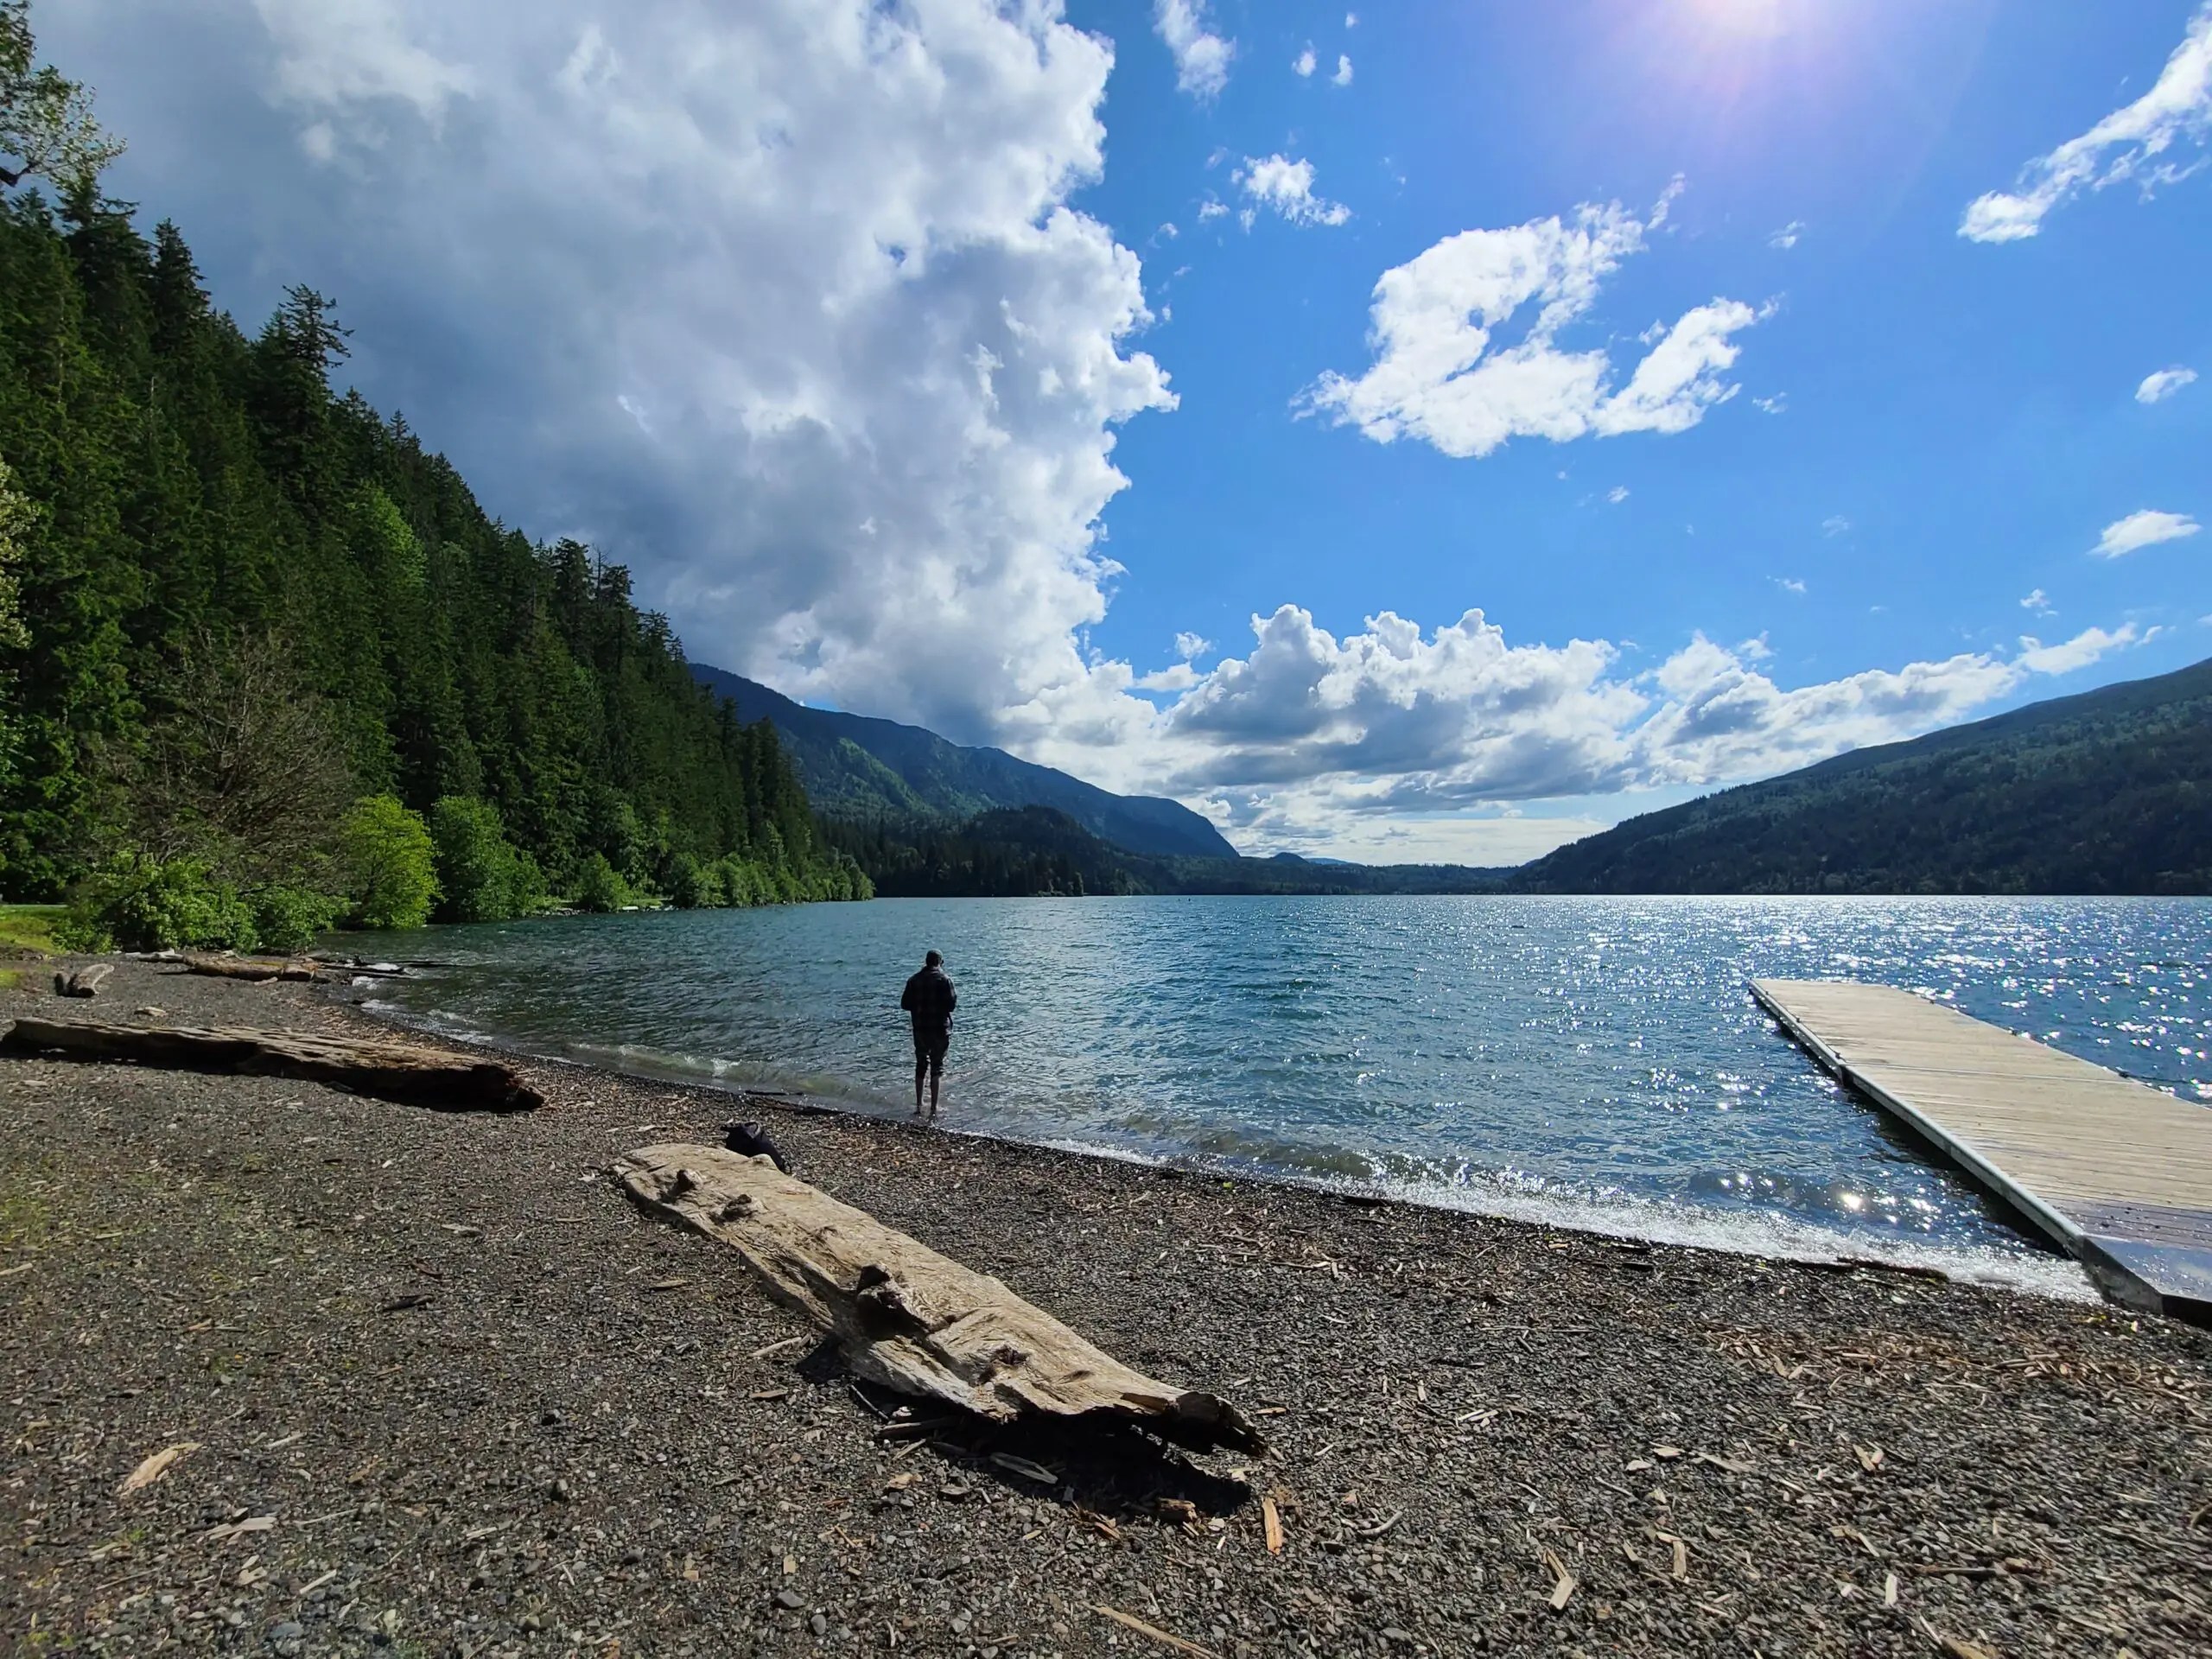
x=1593, y=1062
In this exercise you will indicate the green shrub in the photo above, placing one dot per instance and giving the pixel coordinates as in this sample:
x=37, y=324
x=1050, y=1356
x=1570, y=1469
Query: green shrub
x=483, y=876
x=391, y=864
x=599, y=886
x=694, y=886
x=291, y=919
x=135, y=902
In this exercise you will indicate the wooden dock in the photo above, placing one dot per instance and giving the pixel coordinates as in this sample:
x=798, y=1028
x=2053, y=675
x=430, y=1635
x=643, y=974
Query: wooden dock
x=2117, y=1172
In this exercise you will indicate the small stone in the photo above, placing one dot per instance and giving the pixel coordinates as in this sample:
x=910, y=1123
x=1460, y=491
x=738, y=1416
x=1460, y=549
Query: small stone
x=532, y=1623
x=790, y=1599
x=287, y=1631
x=954, y=1492
x=818, y=1625
x=561, y=1492
x=1392, y=1634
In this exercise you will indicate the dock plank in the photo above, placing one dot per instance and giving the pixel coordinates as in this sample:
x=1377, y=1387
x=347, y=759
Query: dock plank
x=2115, y=1171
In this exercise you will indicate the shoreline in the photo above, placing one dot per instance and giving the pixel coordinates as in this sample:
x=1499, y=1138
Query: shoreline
x=490, y=1407
x=2036, y=1269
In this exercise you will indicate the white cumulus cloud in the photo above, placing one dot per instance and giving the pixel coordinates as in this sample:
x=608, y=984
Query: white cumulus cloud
x=2039, y=601
x=1786, y=235
x=2142, y=529
x=1304, y=63
x=1202, y=57
x=784, y=305
x=1286, y=186
x=2084, y=648
x=1343, y=77
x=2157, y=388
x=2125, y=146
x=1436, y=377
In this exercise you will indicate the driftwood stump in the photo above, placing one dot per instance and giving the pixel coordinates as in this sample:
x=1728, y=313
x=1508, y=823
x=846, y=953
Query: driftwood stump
x=259, y=968
x=84, y=982
x=390, y=1070
x=906, y=1317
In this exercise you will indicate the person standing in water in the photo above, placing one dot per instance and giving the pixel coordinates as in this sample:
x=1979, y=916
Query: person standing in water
x=929, y=997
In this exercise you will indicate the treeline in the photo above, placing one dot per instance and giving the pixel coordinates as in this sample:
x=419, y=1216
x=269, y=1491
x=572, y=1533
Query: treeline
x=1038, y=851
x=266, y=663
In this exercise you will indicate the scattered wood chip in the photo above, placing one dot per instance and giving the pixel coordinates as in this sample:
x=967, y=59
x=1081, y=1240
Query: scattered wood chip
x=1102, y=1525
x=1380, y=1526
x=899, y=1482
x=1027, y=1470
x=1682, y=1557
x=1132, y=1622
x=690, y=1569
x=1719, y=1462
x=157, y=1466
x=400, y=1304
x=772, y=1394
x=778, y=1347
x=223, y=1534
x=667, y=1284
x=462, y=1230
x=1667, y=1454
x=1564, y=1582
x=1889, y=1590
x=1271, y=1521
x=1638, y=1466
x=1870, y=1457
x=1955, y=1647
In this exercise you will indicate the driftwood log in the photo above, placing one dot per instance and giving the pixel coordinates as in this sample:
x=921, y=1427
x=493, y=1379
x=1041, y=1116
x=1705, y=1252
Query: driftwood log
x=906, y=1317
x=84, y=982
x=259, y=968
x=390, y=1070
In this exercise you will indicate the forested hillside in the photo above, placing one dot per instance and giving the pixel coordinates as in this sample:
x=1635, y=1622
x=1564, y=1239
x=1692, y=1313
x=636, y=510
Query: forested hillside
x=860, y=769
x=261, y=642
x=2106, y=793
x=1016, y=852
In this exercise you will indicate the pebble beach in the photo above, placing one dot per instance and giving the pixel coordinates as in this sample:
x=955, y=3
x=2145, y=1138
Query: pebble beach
x=295, y=1371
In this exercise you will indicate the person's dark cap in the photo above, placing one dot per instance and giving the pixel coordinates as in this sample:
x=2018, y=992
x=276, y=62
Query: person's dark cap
x=932, y=960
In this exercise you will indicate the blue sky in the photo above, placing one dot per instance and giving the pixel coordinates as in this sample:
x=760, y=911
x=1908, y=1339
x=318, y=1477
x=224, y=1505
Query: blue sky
x=1835, y=382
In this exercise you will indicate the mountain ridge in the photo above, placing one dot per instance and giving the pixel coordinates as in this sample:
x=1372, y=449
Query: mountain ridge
x=2103, y=791
x=861, y=766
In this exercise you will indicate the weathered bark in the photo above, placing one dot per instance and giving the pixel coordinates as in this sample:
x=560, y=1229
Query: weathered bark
x=906, y=1317
x=406, y=1071
x=259, y=968
x=84, y=982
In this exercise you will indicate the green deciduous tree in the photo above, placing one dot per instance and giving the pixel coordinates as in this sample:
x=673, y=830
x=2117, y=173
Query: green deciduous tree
x=483, y=876
x=47, y=127
x=390, y=863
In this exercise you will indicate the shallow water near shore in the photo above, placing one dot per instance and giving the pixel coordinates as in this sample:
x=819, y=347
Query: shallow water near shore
x=1593, y=1062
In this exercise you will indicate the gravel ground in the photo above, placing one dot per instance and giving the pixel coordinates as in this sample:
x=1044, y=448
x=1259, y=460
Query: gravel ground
x=448, y=1392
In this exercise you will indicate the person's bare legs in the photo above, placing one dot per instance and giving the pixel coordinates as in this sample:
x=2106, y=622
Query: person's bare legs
x=921, y=1071
x=937, y=1075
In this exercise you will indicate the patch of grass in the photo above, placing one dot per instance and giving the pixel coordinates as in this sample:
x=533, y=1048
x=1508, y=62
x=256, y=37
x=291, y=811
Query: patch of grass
x=29, y=927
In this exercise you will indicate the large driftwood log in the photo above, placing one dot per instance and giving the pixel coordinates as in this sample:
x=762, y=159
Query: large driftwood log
x=408, y=1071
x=906, y=1317
x=84, y=982
x=253, y=967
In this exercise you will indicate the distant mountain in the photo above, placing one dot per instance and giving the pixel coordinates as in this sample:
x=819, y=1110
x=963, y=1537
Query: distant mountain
x=2106, y=793
x=1016, y=852
x=856, y=767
